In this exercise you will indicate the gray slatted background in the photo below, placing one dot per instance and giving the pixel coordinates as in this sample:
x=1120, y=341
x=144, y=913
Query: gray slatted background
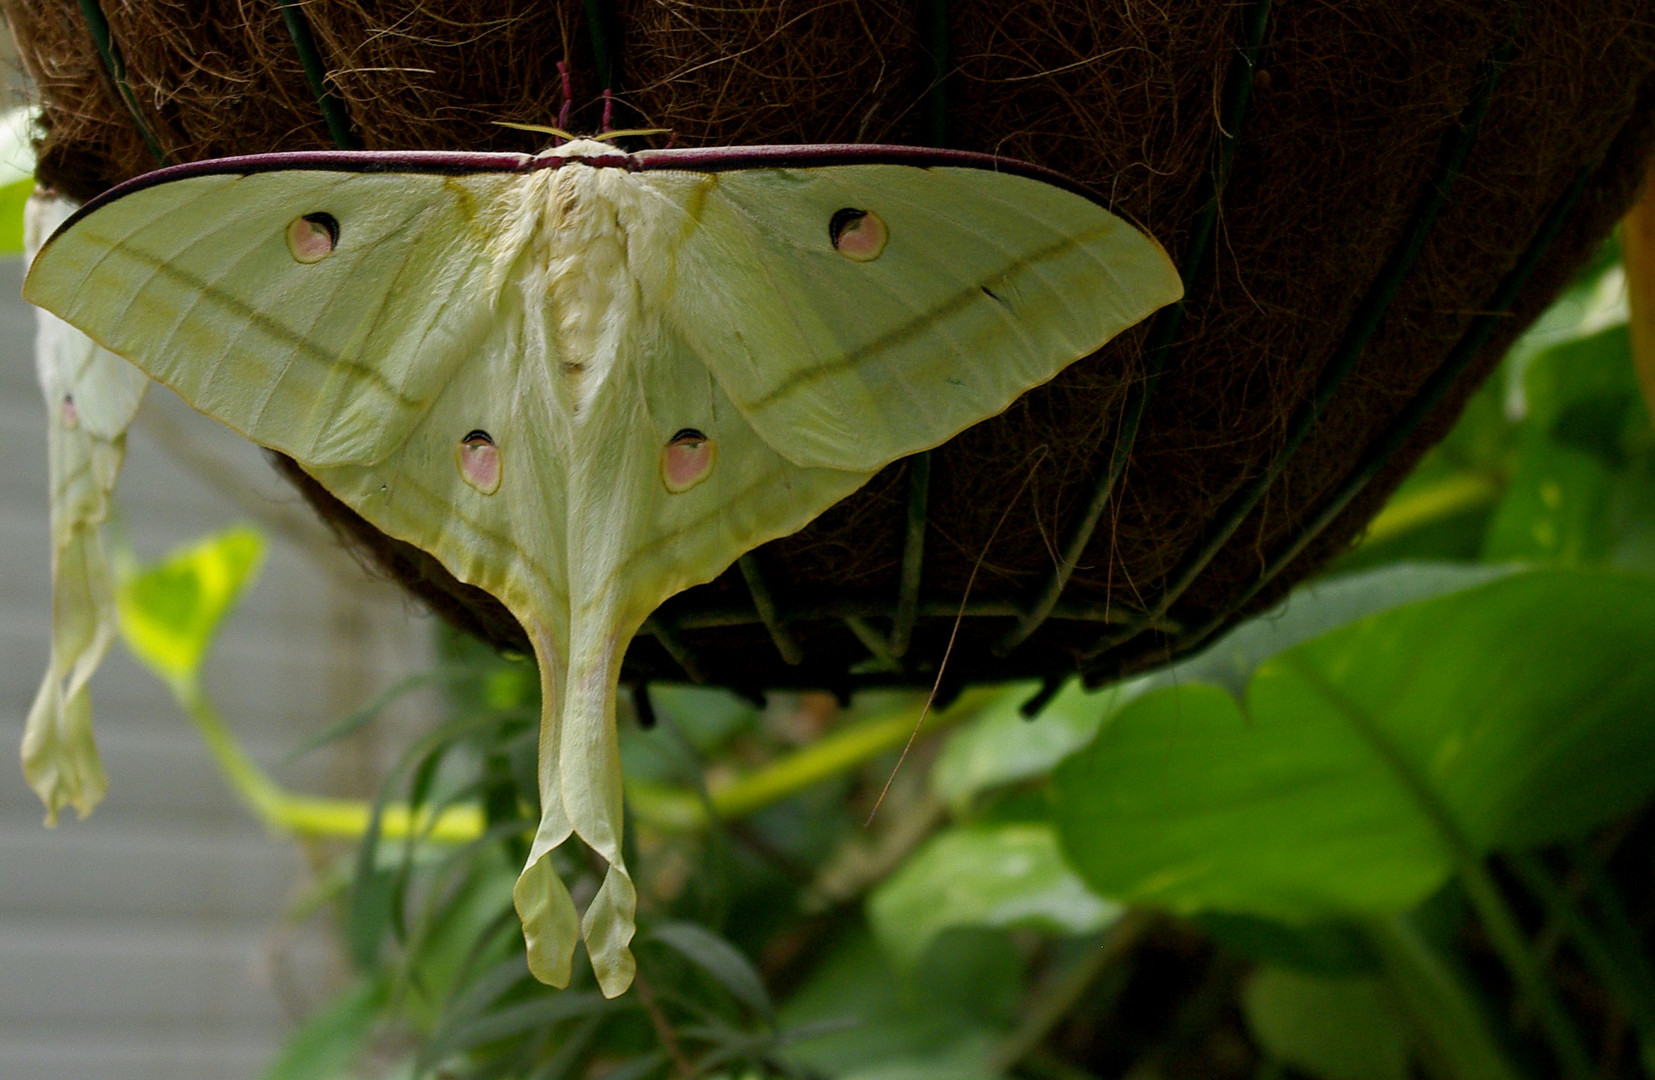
x=147, y=943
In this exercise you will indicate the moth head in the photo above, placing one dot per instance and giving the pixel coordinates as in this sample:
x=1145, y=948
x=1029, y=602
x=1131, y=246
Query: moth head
x=312, y=237
x=687, y=459
x=478, y=460
x=858, y=235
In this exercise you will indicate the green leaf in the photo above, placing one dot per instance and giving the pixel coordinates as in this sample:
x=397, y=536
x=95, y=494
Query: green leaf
x=910, y=1070
x=637, y=1068
x=1585, y=419
x=988, y=876
x=1367, y=761
x=1001, y=746
x=170, y=612
x=718, y=958
x=13, y=197
x=1315, y=609
x=1326, y=948
x=16, y=175
x=331, y=1040
x=1596, y=298
x=1334, y=1029
x=1590, y=375
x=947, y=1014
x=1555, y=508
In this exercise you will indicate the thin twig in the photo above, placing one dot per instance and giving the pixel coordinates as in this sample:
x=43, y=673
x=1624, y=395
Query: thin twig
x=1039, y=455
x=663, y=1030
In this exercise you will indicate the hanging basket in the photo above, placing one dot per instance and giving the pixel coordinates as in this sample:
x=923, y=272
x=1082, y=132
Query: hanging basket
x=1367, y=202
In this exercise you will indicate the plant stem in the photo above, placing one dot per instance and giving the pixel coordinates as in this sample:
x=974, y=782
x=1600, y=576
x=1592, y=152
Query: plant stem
x=664, y=806
x=306, y=815
x=1443, y=1011
x=663, y=1029
x=1055, y=1002
x=1447, y=497
x=1508, y=939
x=1620, y=974
x=678, y=809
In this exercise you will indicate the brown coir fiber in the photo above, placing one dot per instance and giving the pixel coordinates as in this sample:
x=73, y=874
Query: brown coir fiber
x=1352, y=102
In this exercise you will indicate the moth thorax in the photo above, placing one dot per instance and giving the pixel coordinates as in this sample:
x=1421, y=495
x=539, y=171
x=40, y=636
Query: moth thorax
x=590, y=291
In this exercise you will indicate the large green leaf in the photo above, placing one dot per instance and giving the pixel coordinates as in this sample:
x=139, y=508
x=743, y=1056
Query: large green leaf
x=169, y=612
x=1366, y=761
x=16, y=175
x=946, y=1015
x=1554, y=507
x=329, y=1042
x=992, y=876
x=1315, y=609
x=1572, y=386
x=1334, y=1029
x=1001, y=746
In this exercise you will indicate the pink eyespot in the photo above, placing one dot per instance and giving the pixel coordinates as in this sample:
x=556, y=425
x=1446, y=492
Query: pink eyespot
x=858, y=235
x=312, y=238
x=686, y=460
x=479, y=461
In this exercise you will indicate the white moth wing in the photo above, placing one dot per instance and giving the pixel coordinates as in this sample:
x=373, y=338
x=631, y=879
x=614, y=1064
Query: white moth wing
x=988, y=284
x=196, y=282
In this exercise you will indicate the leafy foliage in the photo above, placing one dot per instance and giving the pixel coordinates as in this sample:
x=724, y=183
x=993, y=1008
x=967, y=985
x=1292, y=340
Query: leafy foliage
x=1397, y=828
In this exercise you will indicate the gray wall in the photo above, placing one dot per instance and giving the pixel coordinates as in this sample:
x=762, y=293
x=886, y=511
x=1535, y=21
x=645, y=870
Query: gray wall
x=149, y=941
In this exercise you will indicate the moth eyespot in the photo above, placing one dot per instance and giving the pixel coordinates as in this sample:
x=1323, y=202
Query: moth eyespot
x=686, y=460
x=71, y=415
x=479, y=461
x=858, y=235
x=313, y=237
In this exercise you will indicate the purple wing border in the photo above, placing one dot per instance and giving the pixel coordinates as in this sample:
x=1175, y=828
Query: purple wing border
x=709, y=159
x=816, y=156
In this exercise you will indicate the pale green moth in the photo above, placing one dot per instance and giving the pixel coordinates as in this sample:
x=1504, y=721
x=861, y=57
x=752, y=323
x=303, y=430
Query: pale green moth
x=586, y=380
x=91, y=396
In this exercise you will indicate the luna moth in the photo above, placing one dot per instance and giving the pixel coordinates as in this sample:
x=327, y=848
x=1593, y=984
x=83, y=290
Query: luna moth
x=91, y=397
x=586, y=380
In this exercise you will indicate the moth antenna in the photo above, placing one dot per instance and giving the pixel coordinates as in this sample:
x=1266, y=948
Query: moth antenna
x=627, y=133
x=1039, y=455
x=541, y=128
x=608, y=109
x=567, y=110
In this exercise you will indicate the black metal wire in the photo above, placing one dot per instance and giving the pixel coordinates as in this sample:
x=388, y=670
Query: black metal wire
x=871, y=640
x=764, y=602
x=1049, y=686
x=1456, y=148
x=913, y=553
x=310, y=58
x=709, y=617
x=115, y=68
x=933, y=27
x=664, y=632
x=605, y=37
x=642, y=706
x=1238, y=90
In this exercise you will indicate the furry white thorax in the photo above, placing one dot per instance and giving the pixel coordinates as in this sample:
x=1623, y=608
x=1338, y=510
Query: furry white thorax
x=574, y=232
x=583, y=148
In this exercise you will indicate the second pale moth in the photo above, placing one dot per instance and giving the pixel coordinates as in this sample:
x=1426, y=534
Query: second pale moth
x=91, y=398
x=586, y=380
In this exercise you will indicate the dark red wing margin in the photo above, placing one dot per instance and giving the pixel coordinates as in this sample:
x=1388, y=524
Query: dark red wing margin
x=708, y=159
